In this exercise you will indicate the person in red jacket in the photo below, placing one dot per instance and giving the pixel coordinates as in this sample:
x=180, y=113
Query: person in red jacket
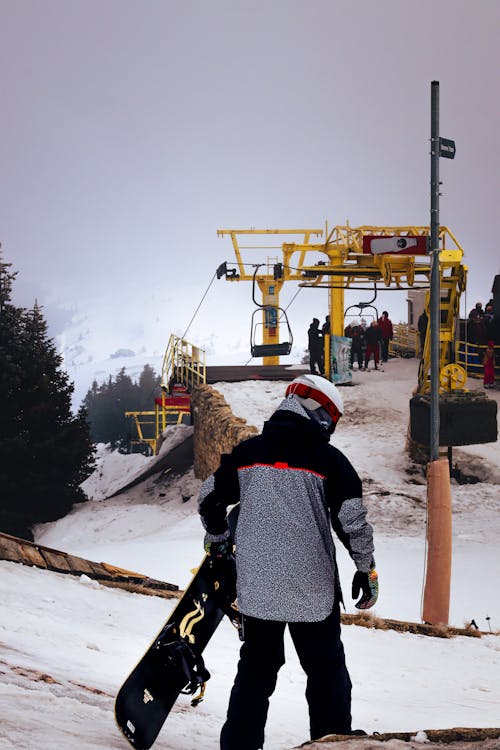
x=385, y=325
x=489, y=365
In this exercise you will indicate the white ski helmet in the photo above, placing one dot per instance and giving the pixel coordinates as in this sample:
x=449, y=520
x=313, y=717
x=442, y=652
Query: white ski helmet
x=316, y=392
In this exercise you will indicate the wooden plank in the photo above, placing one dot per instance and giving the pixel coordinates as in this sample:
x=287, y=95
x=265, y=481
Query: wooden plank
x=22, y=551
x=151, y=583
x=138, y=589
x=115, y=570
x=56, y=561
x=82, y=566
x=10, y=550
x=467, y=735
x=32, y=556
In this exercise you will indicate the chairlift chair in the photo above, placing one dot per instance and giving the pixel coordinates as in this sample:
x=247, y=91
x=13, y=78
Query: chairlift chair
x=279, y=316
x=279, y=349
x=362, y=306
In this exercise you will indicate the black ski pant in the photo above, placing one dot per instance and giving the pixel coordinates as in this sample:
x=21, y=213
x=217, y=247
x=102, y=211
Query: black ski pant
x=316, y=359
x=384, y=345
x=357, y=354
x=321, y=656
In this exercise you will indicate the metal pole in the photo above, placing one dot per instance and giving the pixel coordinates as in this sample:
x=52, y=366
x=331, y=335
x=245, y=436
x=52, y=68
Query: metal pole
x=435, y=294
x=436, y=601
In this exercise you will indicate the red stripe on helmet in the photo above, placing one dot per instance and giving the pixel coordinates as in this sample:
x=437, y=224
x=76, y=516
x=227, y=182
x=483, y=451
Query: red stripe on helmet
x=306, y=391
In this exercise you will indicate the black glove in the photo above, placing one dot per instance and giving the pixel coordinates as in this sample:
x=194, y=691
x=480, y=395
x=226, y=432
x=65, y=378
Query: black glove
x=219, y=549
x=368, y=584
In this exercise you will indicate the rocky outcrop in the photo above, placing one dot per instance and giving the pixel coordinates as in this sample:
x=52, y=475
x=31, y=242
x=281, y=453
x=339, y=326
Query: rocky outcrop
x=216, y=429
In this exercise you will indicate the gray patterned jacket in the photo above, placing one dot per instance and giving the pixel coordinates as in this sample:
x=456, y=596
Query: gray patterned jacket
x=293, y=487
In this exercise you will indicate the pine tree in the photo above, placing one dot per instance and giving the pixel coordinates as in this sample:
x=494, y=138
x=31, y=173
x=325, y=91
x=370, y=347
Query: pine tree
x=45, y=451
x=148, y=386
x=106, y=405
x=11, y=387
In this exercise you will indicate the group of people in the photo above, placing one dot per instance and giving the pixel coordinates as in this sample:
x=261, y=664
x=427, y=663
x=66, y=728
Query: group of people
x=366, y=342
x=480, y=324
x=480, y=331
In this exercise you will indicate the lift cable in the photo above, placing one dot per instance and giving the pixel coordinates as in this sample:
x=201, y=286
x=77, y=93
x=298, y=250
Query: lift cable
x=292, y=300
x=187, y=329
x=199, y=305
x=189, y=325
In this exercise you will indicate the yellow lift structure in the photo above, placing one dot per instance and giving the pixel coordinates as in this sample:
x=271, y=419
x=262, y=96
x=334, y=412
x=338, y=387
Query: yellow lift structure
x=341, y=261
x=183, y=367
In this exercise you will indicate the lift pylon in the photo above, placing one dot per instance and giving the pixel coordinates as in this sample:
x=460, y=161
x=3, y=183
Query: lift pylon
x=270, y=282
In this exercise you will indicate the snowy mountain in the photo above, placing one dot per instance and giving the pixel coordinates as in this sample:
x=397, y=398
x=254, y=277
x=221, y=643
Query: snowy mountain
x=66, y=644
x=101, y=334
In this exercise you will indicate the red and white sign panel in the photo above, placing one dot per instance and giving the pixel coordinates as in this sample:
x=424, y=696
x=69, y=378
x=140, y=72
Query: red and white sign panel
x=395, y=244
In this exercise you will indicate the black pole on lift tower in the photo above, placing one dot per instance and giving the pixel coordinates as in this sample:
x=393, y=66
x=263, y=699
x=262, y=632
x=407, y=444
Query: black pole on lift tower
x=435, y=292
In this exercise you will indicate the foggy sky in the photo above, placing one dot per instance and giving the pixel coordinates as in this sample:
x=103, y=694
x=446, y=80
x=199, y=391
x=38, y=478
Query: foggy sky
x=132, y=131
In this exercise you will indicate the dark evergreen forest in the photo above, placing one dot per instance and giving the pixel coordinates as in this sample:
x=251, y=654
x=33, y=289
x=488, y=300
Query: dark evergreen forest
x=46, y=451
x=107, y=403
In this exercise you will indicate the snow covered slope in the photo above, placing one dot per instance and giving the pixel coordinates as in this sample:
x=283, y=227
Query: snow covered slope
x=67, y=644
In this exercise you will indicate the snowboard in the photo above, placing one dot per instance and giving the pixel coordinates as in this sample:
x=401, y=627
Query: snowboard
x=173, y=663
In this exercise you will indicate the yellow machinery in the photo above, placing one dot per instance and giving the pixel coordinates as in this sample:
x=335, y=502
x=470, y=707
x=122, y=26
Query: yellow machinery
x=183, y=368
x=342, y=262
x=270, y=283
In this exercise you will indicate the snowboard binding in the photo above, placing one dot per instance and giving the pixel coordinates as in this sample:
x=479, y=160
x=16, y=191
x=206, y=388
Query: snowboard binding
x=177, y=654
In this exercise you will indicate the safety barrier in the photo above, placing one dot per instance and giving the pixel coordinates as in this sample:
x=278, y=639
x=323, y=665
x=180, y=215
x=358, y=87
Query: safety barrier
x=470, y=356
x=405, y=341
x=183, y=363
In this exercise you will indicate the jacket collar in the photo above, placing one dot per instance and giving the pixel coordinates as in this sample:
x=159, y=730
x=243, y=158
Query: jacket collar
x=291, y=417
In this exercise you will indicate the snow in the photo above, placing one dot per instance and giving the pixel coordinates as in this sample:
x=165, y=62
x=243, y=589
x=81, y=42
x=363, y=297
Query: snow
x=67, y=643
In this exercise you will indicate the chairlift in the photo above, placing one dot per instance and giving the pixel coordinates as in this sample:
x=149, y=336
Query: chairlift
x=362, y=306
x=273, y=316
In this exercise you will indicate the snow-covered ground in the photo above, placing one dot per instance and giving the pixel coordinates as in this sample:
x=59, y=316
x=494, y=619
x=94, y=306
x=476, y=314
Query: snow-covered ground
x=66, y=644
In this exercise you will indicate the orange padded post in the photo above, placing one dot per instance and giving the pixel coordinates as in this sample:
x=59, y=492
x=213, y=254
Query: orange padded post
x=436, y=606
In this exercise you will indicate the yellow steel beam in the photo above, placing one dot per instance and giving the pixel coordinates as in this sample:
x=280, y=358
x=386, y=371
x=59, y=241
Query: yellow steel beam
x=234, y=233
x=346, y=265
x=344, y=250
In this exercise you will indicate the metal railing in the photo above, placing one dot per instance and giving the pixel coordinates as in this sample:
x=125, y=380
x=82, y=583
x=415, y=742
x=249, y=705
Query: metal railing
x=405, y=341
x=183, y=363
x=150, y=425
x=470, y=356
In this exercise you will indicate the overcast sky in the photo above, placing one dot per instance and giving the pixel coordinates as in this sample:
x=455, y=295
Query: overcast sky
x=133, y=130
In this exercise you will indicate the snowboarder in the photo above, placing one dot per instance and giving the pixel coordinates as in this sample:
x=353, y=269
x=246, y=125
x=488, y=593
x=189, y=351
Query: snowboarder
x=290, y=482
